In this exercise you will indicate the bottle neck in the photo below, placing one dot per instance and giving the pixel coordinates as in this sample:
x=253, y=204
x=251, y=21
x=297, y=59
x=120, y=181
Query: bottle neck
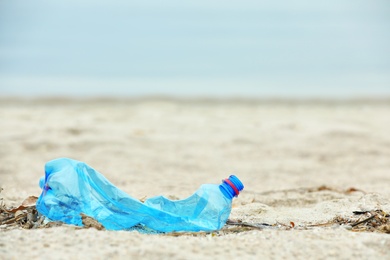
x=231, y=187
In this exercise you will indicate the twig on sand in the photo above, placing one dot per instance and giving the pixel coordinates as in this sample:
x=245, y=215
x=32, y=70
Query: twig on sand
x=245, y=224
x=363, y=221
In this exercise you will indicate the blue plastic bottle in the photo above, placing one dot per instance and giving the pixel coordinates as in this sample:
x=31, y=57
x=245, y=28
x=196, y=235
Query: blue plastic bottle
x=70, y=187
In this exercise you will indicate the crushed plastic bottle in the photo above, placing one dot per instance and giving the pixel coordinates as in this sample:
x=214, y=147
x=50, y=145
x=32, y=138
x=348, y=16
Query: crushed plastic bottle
x=70, y=188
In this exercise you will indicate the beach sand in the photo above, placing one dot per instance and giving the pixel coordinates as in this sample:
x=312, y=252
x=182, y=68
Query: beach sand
x=302, y=163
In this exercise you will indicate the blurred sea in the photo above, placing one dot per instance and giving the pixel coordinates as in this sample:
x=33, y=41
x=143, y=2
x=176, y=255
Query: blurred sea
x=299, y=49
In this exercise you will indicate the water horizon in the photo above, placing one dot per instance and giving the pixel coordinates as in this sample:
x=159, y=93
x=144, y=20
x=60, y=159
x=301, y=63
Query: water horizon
x=302, y=49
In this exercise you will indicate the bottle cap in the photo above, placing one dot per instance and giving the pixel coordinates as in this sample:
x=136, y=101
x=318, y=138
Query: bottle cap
x=231, y=187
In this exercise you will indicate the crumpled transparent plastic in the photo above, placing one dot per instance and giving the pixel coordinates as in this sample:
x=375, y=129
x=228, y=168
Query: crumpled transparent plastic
x=70, y=188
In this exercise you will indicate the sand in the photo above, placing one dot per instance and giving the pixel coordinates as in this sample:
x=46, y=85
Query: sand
x=298, y=161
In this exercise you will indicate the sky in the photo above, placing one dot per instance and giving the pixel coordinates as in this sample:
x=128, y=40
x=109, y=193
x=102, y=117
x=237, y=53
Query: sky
x=195, y=48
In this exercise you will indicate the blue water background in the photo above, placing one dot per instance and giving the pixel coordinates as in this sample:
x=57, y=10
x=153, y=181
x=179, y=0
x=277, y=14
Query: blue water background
x=195, y=48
